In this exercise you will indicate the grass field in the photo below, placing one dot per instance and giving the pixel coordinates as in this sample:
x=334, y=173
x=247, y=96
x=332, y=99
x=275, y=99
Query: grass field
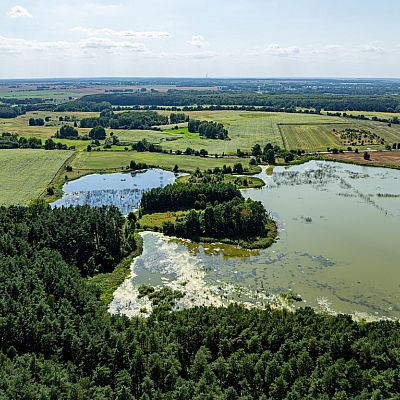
x=41, y=94
x=292, y=131
x=246, y=129
x=25, y=174
x=112, y=160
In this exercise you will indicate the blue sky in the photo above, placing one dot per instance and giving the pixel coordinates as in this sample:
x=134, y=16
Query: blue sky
x=225, y=38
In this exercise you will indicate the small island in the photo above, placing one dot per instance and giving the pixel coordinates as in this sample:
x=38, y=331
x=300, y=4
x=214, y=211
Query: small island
x=207, y=212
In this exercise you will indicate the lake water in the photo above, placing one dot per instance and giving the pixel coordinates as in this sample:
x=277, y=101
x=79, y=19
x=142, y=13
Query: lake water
x=338, y=231
x=123, y=190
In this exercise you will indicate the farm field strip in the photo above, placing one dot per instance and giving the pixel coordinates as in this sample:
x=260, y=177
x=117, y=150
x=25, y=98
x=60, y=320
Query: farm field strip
x=308, y=137
x=25, y=174
x=114, y=160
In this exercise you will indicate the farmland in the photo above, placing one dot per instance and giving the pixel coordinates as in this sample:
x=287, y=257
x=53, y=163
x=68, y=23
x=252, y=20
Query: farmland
x=377, y=158
x=25, y=174
x=309, y=137
x=115, y=161
x=315, y=137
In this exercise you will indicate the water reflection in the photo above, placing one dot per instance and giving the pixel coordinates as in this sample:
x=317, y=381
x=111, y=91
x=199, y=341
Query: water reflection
x=338, y=226
x=123, y=190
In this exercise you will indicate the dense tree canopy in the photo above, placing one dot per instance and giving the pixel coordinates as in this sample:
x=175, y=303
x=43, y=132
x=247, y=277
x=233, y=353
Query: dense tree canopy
x=7, y=111
x=235, y=219
x=57, y=341
x=67, y=132
x=184, y=196
x=337, y=102
x=126, y=120
x=210, y=130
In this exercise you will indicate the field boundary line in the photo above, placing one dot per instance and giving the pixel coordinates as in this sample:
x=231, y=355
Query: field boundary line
x=285, y=144
x=62, y=168
x=313, y=123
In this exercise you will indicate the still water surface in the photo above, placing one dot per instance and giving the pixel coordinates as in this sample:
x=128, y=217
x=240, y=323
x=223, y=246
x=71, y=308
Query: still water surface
x=338, y=247
x=123, y=190
x=338, y=244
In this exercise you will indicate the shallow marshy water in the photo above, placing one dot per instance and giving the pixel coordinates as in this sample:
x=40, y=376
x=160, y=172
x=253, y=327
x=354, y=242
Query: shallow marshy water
x=338, y=228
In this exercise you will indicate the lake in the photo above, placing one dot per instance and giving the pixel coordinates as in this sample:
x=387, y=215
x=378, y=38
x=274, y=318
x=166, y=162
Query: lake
x=123, y=190
x=337, y=248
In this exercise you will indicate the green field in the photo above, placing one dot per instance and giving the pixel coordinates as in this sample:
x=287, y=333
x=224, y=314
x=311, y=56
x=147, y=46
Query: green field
x=310, y=137
x=245, y=129
x=289, y=130
x=113, y=160
x=25, y=174
x=42, y=94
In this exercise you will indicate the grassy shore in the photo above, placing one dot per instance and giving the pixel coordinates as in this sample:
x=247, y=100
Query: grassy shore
x=154, y=222
x=107, y=283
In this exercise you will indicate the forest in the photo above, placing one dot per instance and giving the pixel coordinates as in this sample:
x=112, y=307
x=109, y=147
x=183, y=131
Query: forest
x=8, y=112
x=125, y=120
x=57, y=340
x=235, y=219
x=184, y=196
x=329, y=102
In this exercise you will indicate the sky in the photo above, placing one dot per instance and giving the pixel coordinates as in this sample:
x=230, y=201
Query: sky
x=215, y=38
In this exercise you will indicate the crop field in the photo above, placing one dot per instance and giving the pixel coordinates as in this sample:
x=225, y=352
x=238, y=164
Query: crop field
x=25, y=174
x=246, y=129
x=312, y=137
x=117, y=160
x=309, y=137
x=391, y=134
x=292, y=131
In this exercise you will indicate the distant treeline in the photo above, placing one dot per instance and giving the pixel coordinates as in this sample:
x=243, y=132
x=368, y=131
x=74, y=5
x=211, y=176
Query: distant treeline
x=210, y=130
x=8, y=112
x=185, y=196
x=83, y=106
x=337, y=102
x=126, y=120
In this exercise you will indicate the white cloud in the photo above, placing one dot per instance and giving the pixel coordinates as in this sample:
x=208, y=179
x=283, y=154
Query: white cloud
x=199, y=55
x=14, y=45
x=126, y=33
x=372, y=49
x=111, y=45
x=198, y=41
x=19, y=12
x=276, y=50
x=328, y=49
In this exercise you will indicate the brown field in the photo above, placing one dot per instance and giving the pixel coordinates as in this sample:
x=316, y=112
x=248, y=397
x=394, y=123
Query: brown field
x=383, y=158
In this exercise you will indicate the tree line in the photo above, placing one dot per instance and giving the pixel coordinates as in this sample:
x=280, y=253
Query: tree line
x=335, y=102
x=13, y=141
x=125, y=120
